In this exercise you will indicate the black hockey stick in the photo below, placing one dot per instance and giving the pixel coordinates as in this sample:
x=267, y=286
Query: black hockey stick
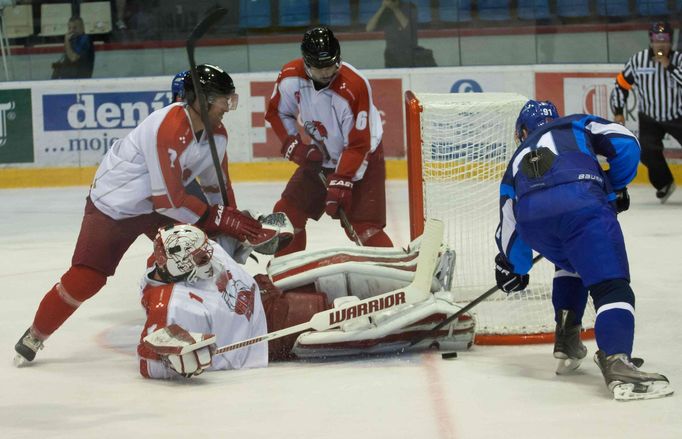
x=452, y=318
x=345, y=222
x=204, y=25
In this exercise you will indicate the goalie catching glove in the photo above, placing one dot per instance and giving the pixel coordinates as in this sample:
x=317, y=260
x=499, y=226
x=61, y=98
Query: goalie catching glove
x=507, y=280
x=187, y=353
x=298, y=152
x=277, y=231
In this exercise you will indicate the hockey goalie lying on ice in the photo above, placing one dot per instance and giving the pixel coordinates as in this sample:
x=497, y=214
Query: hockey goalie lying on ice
x=197, y=297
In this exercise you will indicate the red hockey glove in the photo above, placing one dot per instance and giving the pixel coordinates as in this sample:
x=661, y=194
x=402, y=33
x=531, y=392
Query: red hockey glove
x=298, y=152
x=229, y=221
x=339, y=195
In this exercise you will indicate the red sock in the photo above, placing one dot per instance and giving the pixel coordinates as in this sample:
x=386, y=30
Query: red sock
x=371, y=235
x=297, y=244
x=298, y=220
x=78, y=284
x=379, y=239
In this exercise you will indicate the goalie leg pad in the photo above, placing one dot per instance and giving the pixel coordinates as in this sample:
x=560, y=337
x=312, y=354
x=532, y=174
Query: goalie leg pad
x=288, y=309
x=392, y=331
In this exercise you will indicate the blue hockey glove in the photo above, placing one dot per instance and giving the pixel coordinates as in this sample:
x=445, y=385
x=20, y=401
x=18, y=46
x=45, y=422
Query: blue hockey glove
x=507, y=280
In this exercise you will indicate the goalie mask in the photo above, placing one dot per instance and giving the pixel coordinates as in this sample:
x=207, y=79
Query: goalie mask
x=183, y=252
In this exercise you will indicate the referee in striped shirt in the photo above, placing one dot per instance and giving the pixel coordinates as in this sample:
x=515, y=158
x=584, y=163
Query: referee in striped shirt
x=657, y=75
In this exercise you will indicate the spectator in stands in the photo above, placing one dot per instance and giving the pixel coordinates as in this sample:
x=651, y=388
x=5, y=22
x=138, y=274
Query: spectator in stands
x=398, y=20
x=79, y=53
x=120, y=14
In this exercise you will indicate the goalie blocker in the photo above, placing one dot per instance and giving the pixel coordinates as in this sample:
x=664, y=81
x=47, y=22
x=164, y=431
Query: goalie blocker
x=302, y=284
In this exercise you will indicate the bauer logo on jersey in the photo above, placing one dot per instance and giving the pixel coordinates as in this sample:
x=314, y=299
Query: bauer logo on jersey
x=590, y=177
x=92, y=111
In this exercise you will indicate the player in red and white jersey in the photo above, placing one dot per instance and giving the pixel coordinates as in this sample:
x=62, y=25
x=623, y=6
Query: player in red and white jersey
x=139, y=187
x=195, y=286
x=334, y=102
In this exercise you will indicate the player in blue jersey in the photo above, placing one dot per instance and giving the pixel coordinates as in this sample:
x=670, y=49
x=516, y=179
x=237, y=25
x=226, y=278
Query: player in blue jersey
x=178, y=86
x=556, y=199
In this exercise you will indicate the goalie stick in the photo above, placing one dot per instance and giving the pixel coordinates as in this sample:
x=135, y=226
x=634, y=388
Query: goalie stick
x=418, y=339
x=204, y=25
x=418, y=290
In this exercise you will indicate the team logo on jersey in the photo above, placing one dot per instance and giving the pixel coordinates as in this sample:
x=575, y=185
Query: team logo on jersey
x=238, y=296
x=345, y=88
x=316, y=130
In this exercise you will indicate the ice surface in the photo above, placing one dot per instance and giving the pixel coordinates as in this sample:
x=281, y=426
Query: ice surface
x=85, y=383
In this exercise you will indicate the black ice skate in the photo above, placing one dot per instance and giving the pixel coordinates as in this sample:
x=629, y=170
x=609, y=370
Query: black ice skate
x=26, y=348
x=665, y=192
x=568, y=347
x=629, y=383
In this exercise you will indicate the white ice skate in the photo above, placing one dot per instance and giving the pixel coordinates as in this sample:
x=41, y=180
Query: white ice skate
x=629, y=383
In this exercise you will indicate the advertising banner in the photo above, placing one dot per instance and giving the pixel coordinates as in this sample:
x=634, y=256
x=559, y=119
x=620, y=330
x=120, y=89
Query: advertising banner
x=589, y=92
x=16, y=126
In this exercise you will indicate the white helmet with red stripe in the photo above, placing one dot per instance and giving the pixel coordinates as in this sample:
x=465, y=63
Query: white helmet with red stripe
x=182, y=251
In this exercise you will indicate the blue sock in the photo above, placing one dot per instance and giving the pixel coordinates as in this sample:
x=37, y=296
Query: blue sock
x=568, y=292
x=615, y=328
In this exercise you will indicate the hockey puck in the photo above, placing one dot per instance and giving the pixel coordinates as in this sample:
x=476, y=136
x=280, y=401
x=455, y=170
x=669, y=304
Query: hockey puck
x=449, y=355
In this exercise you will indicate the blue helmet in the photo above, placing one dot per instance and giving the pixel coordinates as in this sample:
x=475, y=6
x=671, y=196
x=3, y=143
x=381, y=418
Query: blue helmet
x=533, y=115
x=178, y=86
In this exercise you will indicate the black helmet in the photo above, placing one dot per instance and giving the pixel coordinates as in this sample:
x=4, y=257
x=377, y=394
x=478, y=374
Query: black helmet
x=320, y=48
x=213, y=80
x=660, y=27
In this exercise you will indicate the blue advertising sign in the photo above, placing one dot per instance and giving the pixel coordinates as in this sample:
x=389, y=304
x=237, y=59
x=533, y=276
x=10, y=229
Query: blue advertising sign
x=97, y=111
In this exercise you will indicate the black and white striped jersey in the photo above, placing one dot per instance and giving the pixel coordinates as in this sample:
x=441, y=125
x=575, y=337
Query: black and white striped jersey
x=659, y=90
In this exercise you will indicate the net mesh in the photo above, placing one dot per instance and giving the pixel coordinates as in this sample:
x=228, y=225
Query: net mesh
x=467, y=140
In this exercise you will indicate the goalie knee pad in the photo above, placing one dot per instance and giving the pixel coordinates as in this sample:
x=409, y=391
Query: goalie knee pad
x=288, y=309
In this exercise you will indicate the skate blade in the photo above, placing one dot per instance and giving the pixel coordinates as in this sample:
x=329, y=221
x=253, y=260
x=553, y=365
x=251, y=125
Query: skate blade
x=566, y=366
x=20, y=361
x=644, y=390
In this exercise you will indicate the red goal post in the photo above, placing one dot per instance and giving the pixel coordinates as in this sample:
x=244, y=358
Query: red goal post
x=458, y=146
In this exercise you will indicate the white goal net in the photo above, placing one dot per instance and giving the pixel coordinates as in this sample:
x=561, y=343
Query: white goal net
x=458, y=148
